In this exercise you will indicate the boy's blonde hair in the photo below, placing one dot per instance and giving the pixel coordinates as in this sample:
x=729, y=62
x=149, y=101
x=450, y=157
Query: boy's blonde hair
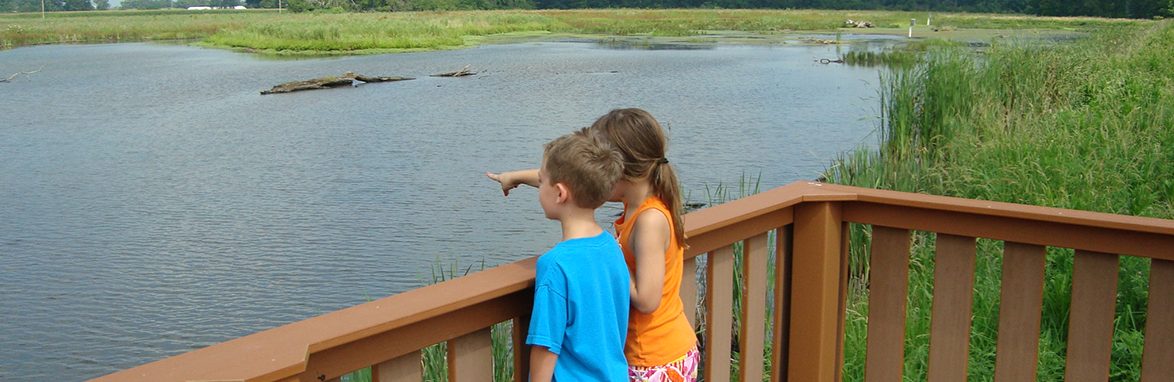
x=588, y=166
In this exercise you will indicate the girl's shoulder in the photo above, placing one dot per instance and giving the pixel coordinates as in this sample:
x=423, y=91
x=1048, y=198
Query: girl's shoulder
x=652, y=218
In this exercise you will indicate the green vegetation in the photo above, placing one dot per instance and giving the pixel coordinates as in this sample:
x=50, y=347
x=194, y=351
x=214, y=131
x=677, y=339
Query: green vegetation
x=1084, y=125
x=1098, y=8
x=366, y=33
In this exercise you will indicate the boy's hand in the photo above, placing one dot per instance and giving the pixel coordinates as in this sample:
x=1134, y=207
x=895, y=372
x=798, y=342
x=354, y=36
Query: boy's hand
x=507, y=183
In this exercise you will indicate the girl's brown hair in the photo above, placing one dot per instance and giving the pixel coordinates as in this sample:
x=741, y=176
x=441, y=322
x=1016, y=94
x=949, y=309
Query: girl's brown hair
x=643, y=144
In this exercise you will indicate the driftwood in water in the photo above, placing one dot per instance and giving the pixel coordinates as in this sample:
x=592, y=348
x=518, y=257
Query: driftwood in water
x=459, y=73
x=826, y=61
x=10, y=78
x=347, y=79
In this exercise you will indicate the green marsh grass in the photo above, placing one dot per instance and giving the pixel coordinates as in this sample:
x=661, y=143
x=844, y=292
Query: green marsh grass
x=266, y=31
x=1082, y=125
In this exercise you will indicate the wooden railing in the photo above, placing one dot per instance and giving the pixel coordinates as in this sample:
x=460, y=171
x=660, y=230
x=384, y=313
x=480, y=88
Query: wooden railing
x=807, y=223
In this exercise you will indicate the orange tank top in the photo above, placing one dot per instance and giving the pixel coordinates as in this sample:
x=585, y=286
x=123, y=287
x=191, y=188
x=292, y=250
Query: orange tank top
x=664, y=335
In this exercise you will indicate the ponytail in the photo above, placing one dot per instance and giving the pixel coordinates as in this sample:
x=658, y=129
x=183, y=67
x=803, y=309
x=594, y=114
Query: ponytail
x=642, y=143
x=665, y=185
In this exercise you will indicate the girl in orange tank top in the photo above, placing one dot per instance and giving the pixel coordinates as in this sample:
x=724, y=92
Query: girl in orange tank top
x=661, y=344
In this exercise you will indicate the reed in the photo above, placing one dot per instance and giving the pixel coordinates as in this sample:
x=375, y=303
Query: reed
x=1081, y=126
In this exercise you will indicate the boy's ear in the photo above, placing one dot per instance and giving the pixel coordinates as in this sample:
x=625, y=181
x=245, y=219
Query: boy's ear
x=564, y=193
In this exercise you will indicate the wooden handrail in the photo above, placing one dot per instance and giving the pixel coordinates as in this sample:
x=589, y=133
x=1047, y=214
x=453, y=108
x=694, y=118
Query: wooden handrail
x=284, y=352
x=324, y=347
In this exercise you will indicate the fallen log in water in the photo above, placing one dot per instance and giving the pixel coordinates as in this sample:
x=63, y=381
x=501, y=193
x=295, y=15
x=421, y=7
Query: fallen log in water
x=9, y=79
x=347, y=79
x=459, y=73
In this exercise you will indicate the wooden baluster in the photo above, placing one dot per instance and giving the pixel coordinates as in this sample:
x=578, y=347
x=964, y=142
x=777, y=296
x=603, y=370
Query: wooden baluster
x=470, y=357
x=689, y=290
x=406, y=368
x=815, y=293
x=719, y=292
x=1017, y=352
x=842, y=301
x=782, y=312
x=1158, y=355
x=751, y=339
x=521, y=350
x=953, y=295
x=889, y=279
x=1090, y=328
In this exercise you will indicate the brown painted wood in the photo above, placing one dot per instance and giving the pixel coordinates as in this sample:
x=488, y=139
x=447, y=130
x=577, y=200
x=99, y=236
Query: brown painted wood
x=288, y=352
x=736, y=231
x=953, y=296
x=1023, y=228
x=989, y=208
x=751, y=337
x=470, y=357
x=815, y=293
x=1019, y=312
x=782, y=305
x=1158, y=356
x=520, y=329
x=406, y=368
x=1090, y=327
x=706, y=220
x=340, y=360
x=719, y=278
x=889, y=280
x=689, y=290
x=281, y=353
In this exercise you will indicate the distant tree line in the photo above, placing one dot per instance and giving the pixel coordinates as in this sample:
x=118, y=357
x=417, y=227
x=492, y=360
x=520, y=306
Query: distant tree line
x=160, y=4
x=1101, y=8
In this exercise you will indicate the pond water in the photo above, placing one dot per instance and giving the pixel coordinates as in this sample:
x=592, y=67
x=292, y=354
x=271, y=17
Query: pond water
x=152, y=202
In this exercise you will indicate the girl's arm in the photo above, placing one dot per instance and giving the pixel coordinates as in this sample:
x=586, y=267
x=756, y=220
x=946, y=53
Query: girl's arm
x=511, y=179
x=541, y=364
x=650, y=240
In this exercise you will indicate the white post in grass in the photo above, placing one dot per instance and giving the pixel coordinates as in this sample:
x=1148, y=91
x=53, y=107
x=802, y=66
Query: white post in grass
x=928, y=17
x=911, y=22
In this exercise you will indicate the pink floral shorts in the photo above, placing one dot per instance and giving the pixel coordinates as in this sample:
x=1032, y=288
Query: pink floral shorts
x=684, y=369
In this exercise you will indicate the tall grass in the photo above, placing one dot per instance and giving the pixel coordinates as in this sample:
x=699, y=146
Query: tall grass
x=1084, y=126
x=380, y=32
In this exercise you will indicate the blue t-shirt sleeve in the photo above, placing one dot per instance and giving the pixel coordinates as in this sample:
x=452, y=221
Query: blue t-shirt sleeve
x=548, y=321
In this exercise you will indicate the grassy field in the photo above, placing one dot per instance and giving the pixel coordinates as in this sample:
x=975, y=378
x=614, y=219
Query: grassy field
x=269, y=32
x=1085, y=126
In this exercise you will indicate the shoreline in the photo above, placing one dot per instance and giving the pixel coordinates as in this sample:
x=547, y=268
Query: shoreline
x=329, y=35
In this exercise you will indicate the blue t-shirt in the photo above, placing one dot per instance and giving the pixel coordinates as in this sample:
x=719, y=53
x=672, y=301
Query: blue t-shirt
x=580, y=312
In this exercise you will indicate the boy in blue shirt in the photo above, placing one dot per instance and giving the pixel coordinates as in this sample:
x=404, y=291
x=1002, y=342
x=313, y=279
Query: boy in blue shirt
x=581, y=296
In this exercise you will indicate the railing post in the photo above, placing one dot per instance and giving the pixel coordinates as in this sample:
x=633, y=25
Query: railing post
x=815, y=293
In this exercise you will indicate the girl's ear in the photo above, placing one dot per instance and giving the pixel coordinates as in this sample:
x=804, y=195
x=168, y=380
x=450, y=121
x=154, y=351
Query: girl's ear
x=564, y=193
